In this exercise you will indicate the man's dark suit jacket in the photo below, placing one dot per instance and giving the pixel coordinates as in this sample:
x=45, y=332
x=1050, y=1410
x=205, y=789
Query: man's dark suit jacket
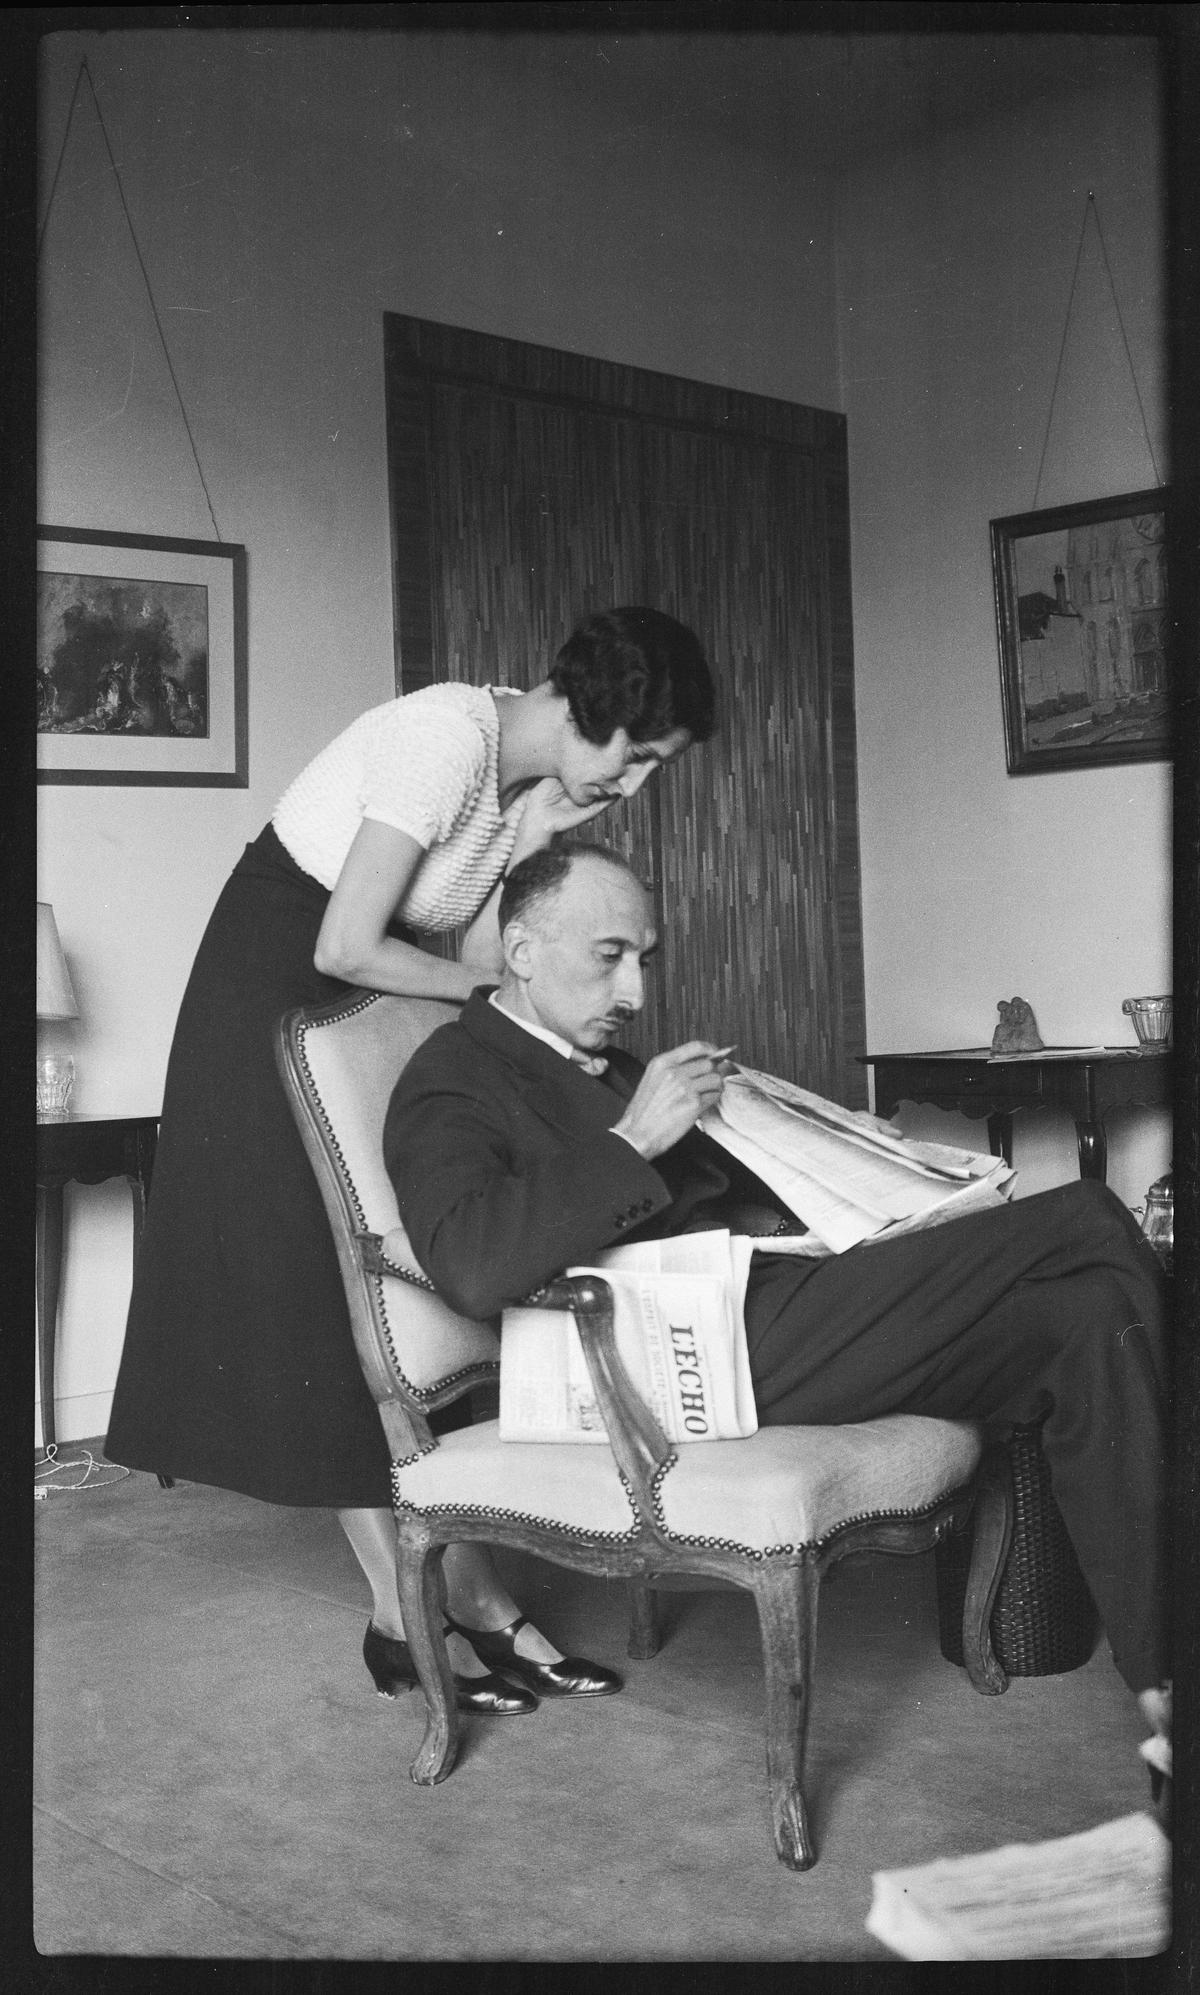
x=506, y=1169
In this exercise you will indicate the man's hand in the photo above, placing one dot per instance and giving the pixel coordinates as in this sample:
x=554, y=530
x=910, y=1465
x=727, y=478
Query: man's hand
x=672, y=1095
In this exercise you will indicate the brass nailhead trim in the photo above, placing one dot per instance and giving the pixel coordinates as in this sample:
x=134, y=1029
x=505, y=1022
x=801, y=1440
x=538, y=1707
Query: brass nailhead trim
x=400, y=1502
x=781, y=1551
x=757, y=1553
x=420, y=1393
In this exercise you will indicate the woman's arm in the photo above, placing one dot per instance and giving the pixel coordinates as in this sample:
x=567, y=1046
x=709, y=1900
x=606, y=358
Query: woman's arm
x=354, y=944
x=482, y=951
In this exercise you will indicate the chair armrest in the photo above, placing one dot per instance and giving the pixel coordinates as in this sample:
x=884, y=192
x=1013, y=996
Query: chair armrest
x=638, y=1442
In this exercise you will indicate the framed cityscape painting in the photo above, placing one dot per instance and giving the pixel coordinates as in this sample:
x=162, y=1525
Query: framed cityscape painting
x=141, y=659
x=1082, y=618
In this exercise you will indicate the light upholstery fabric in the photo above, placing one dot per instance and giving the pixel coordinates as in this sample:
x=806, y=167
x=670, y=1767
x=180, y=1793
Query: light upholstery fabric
x=791, y=1486
x=352, y=1066
x=576, y=1488
x=778, y=1489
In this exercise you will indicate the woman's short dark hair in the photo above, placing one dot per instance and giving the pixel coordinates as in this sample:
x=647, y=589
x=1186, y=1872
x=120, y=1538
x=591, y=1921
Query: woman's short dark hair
x=638, y=669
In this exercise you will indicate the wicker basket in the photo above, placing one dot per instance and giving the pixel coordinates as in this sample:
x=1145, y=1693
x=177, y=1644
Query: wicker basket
x=1044, y=1620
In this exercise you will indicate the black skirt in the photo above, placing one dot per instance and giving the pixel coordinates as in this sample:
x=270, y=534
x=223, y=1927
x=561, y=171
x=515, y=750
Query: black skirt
x=239, y=1367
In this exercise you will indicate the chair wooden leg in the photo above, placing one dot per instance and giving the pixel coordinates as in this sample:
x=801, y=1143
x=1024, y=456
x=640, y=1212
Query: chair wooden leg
x=787, y=1613
x=419, y=1581
x=992, y=1525
x=645, y=1635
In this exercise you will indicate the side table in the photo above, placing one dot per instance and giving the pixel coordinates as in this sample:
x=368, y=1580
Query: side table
x=1088, y=1084
x=87, y=1149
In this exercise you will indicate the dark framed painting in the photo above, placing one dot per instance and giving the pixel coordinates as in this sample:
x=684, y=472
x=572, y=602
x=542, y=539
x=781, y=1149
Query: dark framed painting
x=1082, y=619
x=141, y=659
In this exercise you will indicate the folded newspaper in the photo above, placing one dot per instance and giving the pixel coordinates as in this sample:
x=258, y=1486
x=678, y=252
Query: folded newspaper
x=680, y=1331
x=678, y=1303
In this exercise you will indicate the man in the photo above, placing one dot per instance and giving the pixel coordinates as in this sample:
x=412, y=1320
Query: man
x=519, y=1143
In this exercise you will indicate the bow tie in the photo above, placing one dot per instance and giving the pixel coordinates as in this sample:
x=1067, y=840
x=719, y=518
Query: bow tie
x=590, y=1064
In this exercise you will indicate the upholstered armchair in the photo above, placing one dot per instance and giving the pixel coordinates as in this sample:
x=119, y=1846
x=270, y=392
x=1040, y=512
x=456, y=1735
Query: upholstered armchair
x=770, y=1513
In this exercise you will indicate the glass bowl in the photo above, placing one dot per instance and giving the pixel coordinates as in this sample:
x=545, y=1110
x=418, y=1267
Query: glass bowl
x=1151, y=1021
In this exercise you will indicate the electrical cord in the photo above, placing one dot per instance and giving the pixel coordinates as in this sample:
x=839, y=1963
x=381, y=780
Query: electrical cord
x=96, y=1475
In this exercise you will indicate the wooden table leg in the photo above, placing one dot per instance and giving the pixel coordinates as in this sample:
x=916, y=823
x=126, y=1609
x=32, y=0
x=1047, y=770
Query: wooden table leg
x=137, y=1187
x=138, y=1182
x=1093, y=1151
x=49, y=1271
x=1000, y=1135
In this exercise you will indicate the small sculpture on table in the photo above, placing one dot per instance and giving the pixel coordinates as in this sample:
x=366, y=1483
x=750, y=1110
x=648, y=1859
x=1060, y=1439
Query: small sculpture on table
x=1017, y=1031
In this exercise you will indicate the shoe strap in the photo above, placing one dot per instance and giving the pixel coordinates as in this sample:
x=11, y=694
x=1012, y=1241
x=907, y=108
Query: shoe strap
x=508, y=1634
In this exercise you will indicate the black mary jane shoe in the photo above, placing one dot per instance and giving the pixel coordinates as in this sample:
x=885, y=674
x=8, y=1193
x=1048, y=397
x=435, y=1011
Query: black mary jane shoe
x=392, y=1668
x=572, y=1677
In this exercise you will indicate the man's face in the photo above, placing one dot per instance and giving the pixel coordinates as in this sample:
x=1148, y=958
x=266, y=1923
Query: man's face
x=578, y=963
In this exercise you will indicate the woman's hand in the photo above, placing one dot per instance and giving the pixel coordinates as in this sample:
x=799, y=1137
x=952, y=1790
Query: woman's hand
x=549, y=810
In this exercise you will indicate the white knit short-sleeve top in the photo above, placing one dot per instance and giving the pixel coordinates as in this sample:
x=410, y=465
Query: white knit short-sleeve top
x=425, y=764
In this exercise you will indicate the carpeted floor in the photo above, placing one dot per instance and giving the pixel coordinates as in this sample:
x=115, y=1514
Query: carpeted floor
x=215, y=1776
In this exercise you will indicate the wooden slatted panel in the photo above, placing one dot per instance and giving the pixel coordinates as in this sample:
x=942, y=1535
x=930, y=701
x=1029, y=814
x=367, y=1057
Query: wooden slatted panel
x=529, y=487
x=530, y=533
x=524, y=552
x=747, y=851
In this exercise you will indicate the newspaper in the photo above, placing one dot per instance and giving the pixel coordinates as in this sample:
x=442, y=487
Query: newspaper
x=1103, y=1894
x=848, y=1176
x=679, y=1302
x=680, y=1332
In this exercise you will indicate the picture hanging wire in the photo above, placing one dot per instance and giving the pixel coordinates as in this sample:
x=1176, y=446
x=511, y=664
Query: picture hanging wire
x=1090, y=210
x=85, y=71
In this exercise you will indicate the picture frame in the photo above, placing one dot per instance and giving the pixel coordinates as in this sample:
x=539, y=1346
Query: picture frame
x=141, y=659
x=1083, y=626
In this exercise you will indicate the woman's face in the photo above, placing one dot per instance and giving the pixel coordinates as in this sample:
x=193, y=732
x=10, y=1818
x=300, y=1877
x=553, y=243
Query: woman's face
x=591, y=774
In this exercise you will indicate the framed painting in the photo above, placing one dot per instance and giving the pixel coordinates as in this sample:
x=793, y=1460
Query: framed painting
x=1082, y=619
x=141, y=659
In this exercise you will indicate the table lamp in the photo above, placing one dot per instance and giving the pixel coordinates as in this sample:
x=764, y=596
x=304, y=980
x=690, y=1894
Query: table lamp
x=55, y=1000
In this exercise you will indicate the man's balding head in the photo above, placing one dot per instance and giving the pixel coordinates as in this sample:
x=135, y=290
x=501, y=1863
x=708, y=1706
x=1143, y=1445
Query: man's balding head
x=577, y=926
x=536, y=881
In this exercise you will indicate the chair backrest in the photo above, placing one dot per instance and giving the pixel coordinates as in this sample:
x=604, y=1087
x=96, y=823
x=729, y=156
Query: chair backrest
x=339, y=1064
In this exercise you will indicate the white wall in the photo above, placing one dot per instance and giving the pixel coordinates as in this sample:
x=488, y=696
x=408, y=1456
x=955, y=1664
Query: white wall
x=955, y=266
x=287, y=189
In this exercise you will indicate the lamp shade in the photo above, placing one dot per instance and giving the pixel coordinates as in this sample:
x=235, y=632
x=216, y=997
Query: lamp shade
x=55, y=997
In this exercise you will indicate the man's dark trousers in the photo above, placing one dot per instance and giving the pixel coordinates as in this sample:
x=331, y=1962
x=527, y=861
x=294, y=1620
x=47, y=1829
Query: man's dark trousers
x=1063, y=1311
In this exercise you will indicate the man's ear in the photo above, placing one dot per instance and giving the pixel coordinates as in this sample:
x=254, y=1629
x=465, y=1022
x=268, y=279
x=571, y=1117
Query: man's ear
x=516, y=943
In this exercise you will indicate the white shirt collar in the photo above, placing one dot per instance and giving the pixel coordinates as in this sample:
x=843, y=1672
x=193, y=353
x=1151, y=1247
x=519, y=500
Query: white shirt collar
x=554, y=1039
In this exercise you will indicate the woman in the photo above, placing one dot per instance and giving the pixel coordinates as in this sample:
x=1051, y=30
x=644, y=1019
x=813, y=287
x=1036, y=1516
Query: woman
x=239, y=1366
